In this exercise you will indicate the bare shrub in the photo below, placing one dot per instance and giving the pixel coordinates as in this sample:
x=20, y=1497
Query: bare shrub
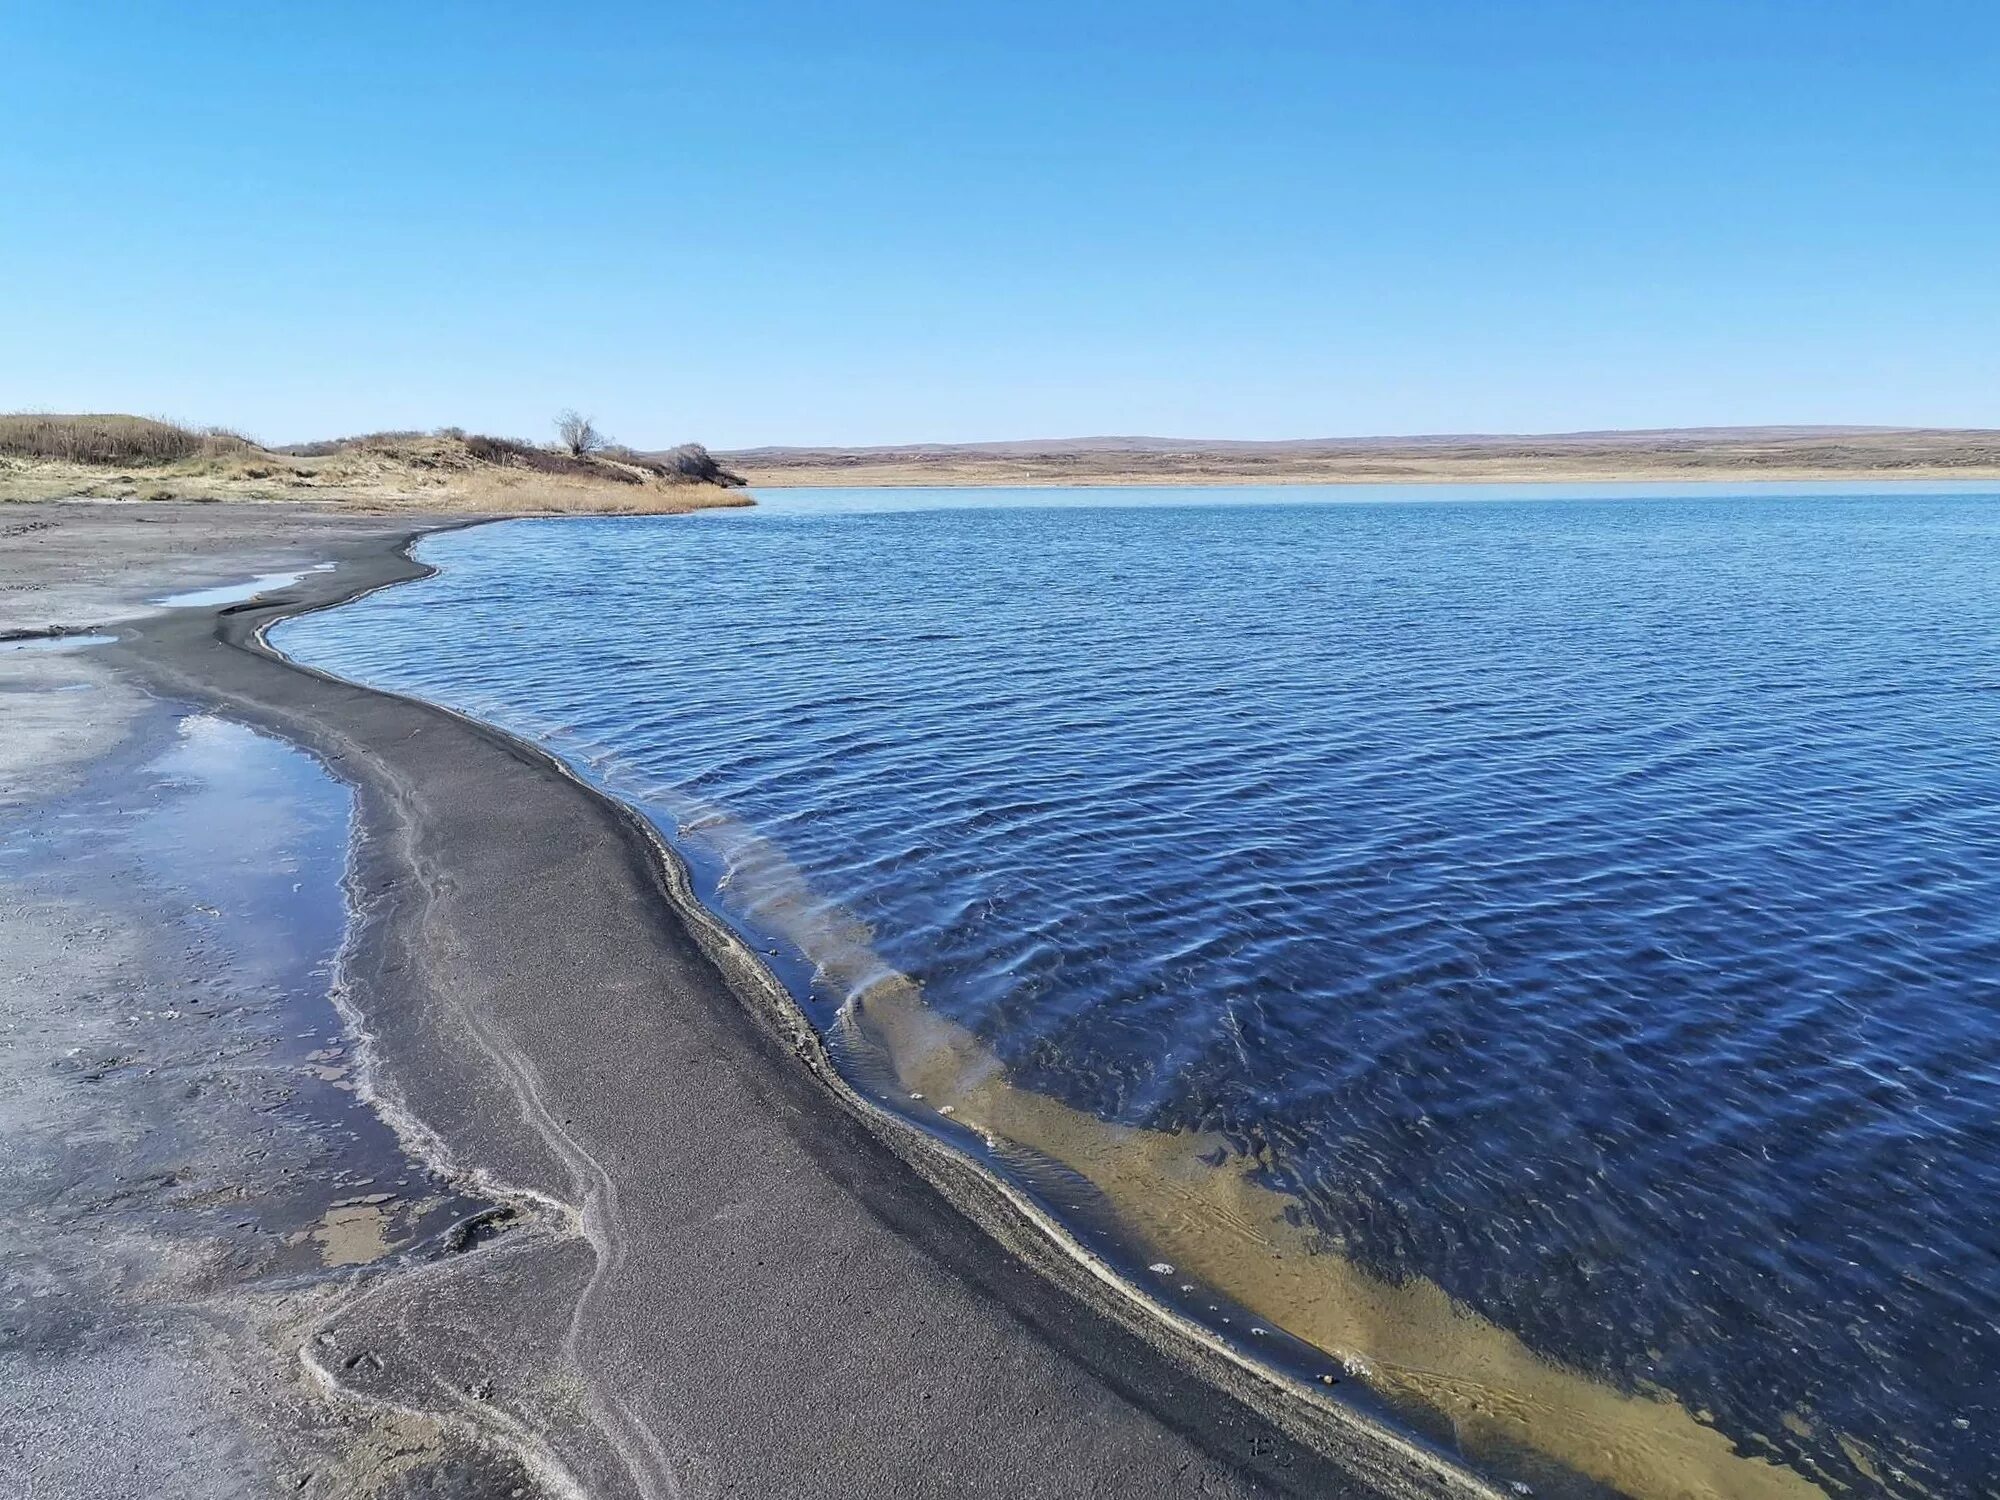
x=578, y=436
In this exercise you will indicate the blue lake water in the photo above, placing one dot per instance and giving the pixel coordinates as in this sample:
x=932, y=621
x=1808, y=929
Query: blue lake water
x=1586, y=907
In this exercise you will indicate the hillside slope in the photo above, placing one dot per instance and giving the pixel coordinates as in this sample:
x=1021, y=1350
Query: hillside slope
x=113, y=457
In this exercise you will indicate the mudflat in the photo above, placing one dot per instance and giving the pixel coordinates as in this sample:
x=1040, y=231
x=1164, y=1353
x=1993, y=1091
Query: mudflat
x=539, y=1190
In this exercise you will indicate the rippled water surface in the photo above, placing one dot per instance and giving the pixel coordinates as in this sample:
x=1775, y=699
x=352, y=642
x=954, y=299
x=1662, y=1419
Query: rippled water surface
x=1588, y=907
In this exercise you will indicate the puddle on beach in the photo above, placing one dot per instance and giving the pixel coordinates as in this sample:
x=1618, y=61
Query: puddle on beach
x=237, y=593
x=260, y=832
x=215, y=856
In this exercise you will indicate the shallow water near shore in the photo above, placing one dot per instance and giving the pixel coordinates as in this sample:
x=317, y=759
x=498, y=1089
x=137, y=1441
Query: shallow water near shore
x=1538, y=951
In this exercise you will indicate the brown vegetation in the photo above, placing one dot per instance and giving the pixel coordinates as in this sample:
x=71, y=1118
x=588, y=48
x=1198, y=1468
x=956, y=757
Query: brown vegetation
x=45, y=457
x=1720, y=453
x=111, y=439
x=690, y=463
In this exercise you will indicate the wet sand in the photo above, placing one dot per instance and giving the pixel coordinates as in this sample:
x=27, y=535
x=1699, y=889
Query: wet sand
x=695, y=1262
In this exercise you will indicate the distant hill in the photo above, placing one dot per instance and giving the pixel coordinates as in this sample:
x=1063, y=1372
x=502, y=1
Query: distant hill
x=108, y=456
x=1776, y=452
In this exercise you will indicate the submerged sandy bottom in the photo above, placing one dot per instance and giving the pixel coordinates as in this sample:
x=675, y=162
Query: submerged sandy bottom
x=1195, y=1202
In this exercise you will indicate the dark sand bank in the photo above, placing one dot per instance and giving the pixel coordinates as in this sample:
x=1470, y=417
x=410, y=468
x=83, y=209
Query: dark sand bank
x=718, y=1272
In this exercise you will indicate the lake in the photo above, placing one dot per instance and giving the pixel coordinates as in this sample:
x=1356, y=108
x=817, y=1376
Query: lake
x=1533, y=956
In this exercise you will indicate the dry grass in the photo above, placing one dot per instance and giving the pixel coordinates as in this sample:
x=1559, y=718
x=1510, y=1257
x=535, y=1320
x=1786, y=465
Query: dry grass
x=328, y=446
x=134, y=458
x=136, y=442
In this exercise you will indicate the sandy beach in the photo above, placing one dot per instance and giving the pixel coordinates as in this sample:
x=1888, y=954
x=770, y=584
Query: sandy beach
x=539, y=1189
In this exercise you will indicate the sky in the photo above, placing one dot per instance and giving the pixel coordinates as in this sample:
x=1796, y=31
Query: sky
x=869, y=223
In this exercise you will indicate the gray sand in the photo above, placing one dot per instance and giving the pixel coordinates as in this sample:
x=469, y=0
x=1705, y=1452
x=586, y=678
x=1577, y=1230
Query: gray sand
x=702, y=1274
x=82, y=564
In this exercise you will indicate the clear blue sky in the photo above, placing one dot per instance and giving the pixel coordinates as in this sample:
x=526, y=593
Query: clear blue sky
x=748, y=222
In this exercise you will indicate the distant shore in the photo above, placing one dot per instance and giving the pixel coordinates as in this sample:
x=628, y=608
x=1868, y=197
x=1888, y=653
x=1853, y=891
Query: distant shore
x=1690, y=455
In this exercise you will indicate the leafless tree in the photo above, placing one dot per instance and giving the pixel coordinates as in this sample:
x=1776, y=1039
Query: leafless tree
x=576, y=433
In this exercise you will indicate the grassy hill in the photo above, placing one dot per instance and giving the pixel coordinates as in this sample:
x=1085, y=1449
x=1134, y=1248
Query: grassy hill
x=105, y=457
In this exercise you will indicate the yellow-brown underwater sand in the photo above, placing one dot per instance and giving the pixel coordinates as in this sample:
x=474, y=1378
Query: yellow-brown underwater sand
x=1411, y=1340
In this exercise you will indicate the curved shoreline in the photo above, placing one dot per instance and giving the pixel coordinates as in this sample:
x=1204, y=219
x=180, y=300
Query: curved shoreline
x=1069, y=1300
x=1007, y=1212
x=1447, y=1370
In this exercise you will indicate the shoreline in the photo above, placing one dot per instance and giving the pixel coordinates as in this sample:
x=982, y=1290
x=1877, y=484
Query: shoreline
x=1008, y=1212
x=1016, y=1224
x=1152, y=1395
x=1443, y=1363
